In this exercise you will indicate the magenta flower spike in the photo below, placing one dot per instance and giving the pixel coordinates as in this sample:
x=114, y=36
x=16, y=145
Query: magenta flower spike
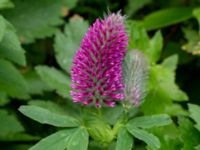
x=97, y=66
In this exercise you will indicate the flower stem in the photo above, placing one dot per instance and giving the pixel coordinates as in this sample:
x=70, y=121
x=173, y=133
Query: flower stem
x=99, y=111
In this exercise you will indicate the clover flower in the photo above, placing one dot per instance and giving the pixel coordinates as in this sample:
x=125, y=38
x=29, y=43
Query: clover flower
x=135, y=75
x=97, y=66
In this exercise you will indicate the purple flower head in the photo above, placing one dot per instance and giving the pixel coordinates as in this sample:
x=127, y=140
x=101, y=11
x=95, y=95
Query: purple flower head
x=97, y=66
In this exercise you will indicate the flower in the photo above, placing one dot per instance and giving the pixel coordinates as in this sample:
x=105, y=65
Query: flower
x=135, y=75
x=97, y=66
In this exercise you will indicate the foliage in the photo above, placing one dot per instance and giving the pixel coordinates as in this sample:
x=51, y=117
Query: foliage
x=38, y=40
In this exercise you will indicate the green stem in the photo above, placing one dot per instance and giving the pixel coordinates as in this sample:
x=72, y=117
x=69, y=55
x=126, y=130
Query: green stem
x=99, y=111
x=126, y=108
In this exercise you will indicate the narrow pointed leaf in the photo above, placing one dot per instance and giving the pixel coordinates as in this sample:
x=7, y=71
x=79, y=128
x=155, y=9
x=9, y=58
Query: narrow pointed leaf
x=166, y=17
x=45, y=116
x=124, y=140
x=156, y=44
x=56, y=141
x=150, y=121
x=151, y=140
x=2, y=27
x=79, y=140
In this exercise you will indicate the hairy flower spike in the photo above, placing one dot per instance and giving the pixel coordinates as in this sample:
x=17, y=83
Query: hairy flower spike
x=135, y=74
x=97, y=66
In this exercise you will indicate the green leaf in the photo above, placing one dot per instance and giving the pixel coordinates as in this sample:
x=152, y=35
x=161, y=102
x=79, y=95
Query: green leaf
x=79, y=140
x=6, y=4
x=170, y=62
x=10, y=46
x=152, y=141
x=124, y=140
x=112, y=115
x=46, y=116
x=187, y=130
x=176, y=109
x=65, y=109
x=55, y=79
x=163, y=89
x=67, y=44
x=150, y=121
x=11, y=81
x=169, y=137
x=135, y=5
x=193, y=41
x=51, y=106
x=35, y=84
x=45, y=16
x=195, y=114
x=196, y=13
x=197, y=147
x=56, y=141
x=18, y=136
x=156, y=44
x=76, y=29
x=166, y=17
x=9, y=123
x=3, y=98
x=2, y=27
x=138, y=38
x=168, y=85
